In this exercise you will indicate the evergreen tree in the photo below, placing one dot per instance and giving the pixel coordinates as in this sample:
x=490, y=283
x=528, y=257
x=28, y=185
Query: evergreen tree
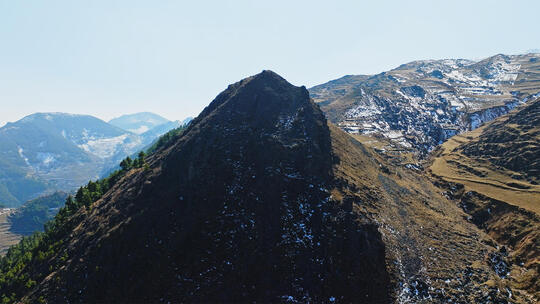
x=126, y=163
x=71, y=204
x=140, y=159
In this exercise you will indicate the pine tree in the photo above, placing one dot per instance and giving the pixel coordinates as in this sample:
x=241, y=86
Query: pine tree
x=140, y=159
x=71, y=205
x=126, y=164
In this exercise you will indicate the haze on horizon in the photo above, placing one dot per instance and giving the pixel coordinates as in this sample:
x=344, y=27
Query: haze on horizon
x=108, y=58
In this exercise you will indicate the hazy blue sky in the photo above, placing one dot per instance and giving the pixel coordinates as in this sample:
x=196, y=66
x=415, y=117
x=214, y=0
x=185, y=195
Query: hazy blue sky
x=106, y=58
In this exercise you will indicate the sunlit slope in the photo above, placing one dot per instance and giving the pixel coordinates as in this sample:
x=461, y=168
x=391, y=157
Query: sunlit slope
x=499, y=160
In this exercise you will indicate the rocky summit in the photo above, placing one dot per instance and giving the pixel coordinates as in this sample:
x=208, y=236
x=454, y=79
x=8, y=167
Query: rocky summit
x=261, y=199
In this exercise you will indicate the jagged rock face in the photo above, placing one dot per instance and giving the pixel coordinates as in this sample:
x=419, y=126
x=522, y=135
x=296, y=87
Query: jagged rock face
x=237, y=210
x=420, y=104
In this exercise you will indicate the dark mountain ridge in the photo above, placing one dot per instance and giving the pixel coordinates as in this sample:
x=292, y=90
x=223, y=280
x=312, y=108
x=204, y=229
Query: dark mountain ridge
x=260, y=199
x=209, y=213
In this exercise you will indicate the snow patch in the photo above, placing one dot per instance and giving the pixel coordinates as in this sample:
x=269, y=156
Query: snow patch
x=139, y=130
x=107, y=147
x=46, y=158
x=21, y=150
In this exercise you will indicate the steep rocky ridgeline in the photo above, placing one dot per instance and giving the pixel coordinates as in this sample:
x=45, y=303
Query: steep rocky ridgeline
x=421, y=104
x=237, y=208
x=260, y=199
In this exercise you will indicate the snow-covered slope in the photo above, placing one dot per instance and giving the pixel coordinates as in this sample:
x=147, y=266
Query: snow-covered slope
x=422, y=103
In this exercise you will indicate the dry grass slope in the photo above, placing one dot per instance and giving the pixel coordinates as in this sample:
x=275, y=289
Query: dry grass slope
x=434, y=253
x=474, y=161
x=493, y=173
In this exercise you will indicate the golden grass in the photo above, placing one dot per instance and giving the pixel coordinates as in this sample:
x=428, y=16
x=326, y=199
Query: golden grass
x=496, y=183
x=416, y=221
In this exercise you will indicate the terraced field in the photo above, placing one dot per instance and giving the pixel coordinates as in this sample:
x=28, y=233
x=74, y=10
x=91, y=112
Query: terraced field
x=7, y=238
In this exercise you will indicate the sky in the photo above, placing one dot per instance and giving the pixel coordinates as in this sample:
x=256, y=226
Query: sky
x=108, y=58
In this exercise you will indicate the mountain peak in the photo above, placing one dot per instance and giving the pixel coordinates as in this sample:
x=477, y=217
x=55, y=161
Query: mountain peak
x=250, y=168
x=270, y=80
x=269, y=76
x=49, y=116
x=263, y=109
x=260, y=200
x=262, y=99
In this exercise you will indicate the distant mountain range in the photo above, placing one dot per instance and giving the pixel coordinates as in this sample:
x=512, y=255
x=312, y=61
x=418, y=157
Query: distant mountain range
x=420, y=104
x=57, y=151
x=138, y=123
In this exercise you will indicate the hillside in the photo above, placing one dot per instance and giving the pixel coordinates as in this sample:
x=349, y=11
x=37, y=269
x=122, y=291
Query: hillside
x=500, y=159
x=33, y=215
x=260, y=199
x=421, y=104
x=44, y=152
x=28, y=218
x=47, y=151
x=7, y=237
x=492, y=172
x=154, y=133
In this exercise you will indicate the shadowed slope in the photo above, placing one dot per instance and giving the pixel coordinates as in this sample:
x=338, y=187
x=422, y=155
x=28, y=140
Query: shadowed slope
x=237, y=209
